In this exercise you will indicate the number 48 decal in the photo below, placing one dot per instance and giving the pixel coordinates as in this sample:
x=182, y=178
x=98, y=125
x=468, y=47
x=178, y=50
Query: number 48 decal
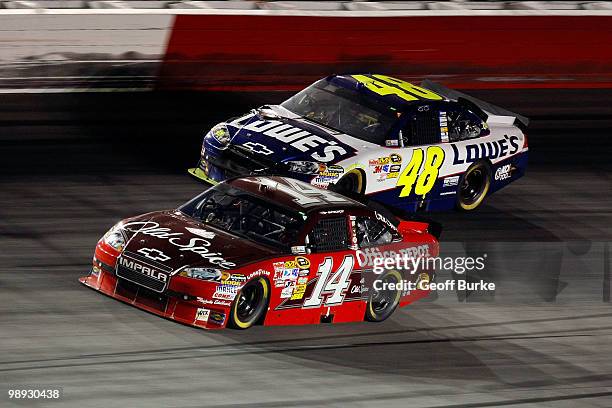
x=336, y=284
x=422, y=181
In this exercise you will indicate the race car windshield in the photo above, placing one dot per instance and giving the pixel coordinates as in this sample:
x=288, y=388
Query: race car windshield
x=249, y=217
x=344, y=110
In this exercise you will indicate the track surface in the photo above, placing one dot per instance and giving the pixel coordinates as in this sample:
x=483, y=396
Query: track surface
x=543, y=340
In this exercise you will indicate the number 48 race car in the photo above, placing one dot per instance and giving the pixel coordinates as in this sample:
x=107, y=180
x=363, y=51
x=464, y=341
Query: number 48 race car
x=408, y=147
x=267, y=250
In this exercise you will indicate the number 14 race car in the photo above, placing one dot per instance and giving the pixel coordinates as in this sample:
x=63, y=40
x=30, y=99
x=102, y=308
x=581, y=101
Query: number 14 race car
x=408, y=147
x=267, y=250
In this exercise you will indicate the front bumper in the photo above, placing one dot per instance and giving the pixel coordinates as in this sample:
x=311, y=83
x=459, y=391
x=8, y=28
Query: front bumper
x=217, y=164
x=197, y=312
x=184, y=301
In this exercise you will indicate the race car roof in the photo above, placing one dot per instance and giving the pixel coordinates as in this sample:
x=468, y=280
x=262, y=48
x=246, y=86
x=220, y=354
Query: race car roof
x=293, y=194
x=394, y=92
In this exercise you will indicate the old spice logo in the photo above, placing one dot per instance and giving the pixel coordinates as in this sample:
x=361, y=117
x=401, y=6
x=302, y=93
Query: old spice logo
x=200, y=246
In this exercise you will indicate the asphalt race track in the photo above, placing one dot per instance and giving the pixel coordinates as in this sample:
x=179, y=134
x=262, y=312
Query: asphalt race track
x=71, y=166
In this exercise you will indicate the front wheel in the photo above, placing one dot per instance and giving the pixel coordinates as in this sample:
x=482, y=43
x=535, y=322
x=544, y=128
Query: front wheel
x=473, y=186
x=384, y=301
x=251, y=303
x=350, y=185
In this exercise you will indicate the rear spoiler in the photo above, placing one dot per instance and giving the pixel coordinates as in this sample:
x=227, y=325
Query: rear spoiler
x=480, y=108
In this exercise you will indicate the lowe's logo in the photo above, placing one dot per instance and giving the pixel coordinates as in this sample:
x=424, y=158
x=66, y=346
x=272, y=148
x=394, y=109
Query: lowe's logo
x=320, y=149
x=143, y=269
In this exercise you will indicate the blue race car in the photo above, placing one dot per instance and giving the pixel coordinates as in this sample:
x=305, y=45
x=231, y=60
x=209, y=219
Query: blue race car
x=379, y=138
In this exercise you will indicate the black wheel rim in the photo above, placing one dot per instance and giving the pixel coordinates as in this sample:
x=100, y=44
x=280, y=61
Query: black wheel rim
x=249, y=301
x=473, y=185
x=383, y=299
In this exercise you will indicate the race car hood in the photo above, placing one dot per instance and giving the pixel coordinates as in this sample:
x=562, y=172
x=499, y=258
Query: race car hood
x=177, y=241
x=276, y=135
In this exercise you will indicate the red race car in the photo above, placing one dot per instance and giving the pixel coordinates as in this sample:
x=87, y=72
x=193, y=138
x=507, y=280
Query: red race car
x=266, y=250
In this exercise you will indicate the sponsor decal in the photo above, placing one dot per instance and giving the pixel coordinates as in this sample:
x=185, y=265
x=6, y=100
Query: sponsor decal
x=200, y=245
x=298, y=292
x=153, y=254
x=387, y=167
x=288, y=271
x=290, y=274
x=216, y=317
x=302, y=280
x=287, y=291
x=422, y=280
x=213, y=302
x=384, y=220
x=443, y=127
x=202, y=315
x=259, y=272
x=504, y=172
x=392, y=143
x=299, y=249
x=331, y=212
x=95, y=271
x=235, y=279
x=279, y=267
x=302, y=262
x=258, y=148
x=367, y=256
x=224, y=296
x=450, y=181
x=335, y=168
x=395, y=158
x=356, y=290
x=380, y=161
x=324, y=179
x=225, y=292
x=321, y=149
x=508, y=145
x=331, y=171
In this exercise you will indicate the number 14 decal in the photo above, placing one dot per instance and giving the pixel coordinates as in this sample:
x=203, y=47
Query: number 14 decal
x=336, y=284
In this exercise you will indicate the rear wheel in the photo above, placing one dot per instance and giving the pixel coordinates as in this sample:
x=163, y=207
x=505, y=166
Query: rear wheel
x=473, y=186
x=251, y=303
x=383, y=302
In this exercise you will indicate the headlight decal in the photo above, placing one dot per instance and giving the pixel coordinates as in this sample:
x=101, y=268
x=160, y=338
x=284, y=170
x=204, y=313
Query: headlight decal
x=221, y=134
x=204, y=274
x=115, y=238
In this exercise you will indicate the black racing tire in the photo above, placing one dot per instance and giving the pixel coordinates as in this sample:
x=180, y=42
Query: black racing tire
x=381, y=304
x=474, y=186
x=350, y=185
x=251, y=304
